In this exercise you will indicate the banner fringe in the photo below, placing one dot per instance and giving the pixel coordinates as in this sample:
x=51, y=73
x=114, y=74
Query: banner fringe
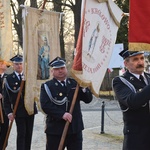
x=139, y=46
x=83, y=83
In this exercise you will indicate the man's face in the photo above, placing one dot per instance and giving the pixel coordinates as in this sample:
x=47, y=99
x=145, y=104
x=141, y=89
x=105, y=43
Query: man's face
x=135, y=64
x=18, y=67
x=59, y=73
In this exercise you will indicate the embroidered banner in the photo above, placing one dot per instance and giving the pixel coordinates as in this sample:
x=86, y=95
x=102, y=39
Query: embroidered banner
x=95, y=42
x=139, y=31
x=6, y=42
x=40, y=46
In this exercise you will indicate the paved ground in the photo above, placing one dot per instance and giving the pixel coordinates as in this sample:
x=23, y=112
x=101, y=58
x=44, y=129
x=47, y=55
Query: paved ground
x=93, y=139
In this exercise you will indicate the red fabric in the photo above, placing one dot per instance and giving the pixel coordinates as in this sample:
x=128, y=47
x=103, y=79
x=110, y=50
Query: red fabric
x=77, y=63
x=139, y=21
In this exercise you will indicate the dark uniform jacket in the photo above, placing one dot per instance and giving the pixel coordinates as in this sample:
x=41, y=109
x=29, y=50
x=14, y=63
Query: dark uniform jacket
x=136, y=111
x=11, y=89
x=3, y=126
x=54, y=122
x=2, y=86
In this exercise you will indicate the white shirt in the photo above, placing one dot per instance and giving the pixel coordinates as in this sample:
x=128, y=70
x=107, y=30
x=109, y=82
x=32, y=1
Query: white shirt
x=17, y=74
x=138, y=77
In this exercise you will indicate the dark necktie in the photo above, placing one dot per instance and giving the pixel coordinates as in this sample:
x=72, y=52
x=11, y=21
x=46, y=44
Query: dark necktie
x=63, y=82
x=142, y=79
x=20, y=77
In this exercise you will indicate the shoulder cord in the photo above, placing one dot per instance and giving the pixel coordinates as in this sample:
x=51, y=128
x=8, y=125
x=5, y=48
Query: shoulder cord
x=8, y=87
x=130, y=86
x=57, y=102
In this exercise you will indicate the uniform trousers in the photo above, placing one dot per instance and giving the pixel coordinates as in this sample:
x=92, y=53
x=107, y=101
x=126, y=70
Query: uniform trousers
x=24, y=132
x=72, y=141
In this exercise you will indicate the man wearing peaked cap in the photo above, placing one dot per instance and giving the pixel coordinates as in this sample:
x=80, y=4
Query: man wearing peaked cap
x=56, y=97
x=132, y=91
x=17, y=62
x=24, y=121
x=58, y=62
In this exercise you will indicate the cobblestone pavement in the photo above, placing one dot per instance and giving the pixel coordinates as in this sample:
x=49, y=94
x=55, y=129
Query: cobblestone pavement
x=93, y=139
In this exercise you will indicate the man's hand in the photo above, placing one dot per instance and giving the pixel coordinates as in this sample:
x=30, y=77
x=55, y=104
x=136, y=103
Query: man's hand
x=67, y=117
x=11, y=117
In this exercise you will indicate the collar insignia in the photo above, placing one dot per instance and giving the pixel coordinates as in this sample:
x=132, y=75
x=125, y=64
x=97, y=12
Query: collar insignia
x=140, y=90
x=56, y=83
x=69, y=82
x=131, y=78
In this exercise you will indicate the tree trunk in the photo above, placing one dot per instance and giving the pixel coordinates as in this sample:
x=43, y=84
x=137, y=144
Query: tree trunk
x=77, y=18
x=18, y=18
x=33, y=3
x=57, y=7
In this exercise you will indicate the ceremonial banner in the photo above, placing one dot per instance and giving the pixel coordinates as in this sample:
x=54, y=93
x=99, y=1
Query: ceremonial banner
x=40, y=46
x=139, y=26
x=6, y=42
x=95, y=43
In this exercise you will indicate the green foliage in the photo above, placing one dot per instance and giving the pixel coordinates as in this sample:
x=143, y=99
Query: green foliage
x=122, y=35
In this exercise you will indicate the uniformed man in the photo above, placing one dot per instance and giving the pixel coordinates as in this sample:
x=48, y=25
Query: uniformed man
x=56, y=98
x=24, y=121
x=4, y=122
x=132, y=90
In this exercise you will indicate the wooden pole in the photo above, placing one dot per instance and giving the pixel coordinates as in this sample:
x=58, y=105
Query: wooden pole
x=109, y=84
x=1, y=112
x=44, y=4
x=14, y=112
x=61, y=144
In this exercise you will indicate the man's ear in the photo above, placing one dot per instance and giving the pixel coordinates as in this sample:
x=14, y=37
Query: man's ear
x=125, y=63
x=52, y=71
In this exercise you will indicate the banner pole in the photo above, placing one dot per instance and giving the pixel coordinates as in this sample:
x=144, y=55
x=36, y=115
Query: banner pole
x=44, y=4
x=14, y=112
x=67, y=122
x=1, y=112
